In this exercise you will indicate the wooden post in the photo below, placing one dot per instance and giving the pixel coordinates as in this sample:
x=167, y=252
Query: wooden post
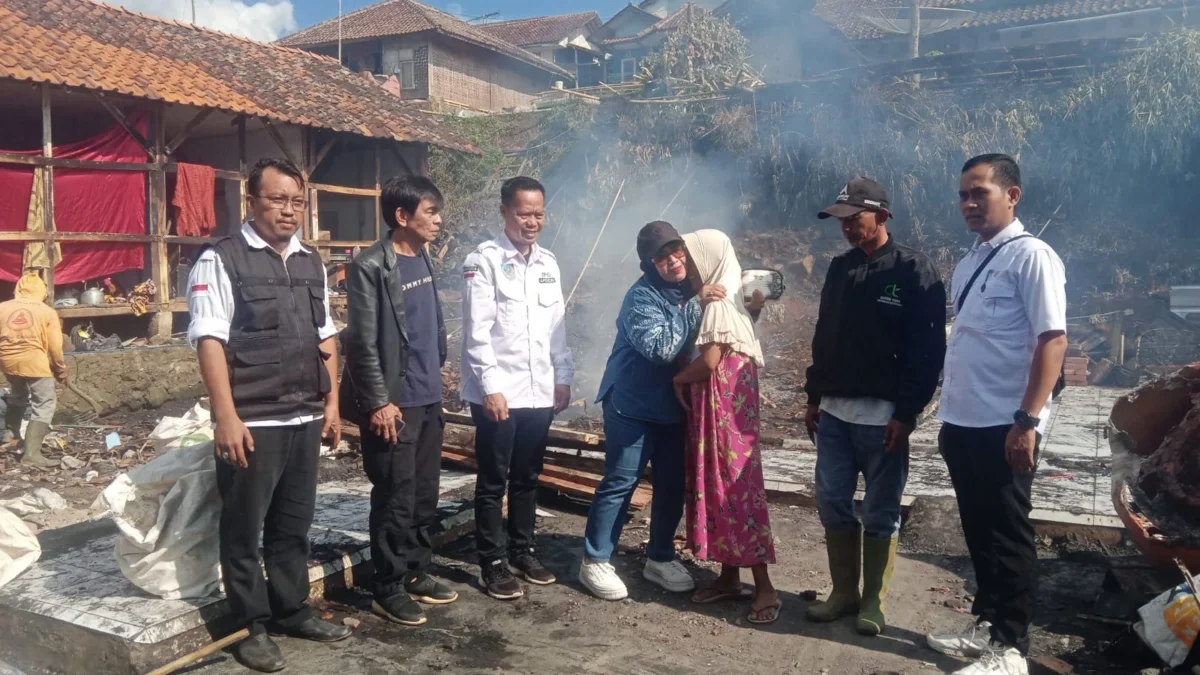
x=1116, y=340
x=914, y=32
x=378, y=207
x=241, y=134
x=48, y=194
x=160, y=269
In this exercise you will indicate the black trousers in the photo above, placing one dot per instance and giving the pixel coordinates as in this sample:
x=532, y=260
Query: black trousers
x=510, y=455
x=404, y=496
x=994, y=504
x=275, y=496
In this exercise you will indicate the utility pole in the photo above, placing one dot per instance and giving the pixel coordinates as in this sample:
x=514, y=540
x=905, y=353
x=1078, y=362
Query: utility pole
x=339, y=31
x=914, y=32
x=193, y=12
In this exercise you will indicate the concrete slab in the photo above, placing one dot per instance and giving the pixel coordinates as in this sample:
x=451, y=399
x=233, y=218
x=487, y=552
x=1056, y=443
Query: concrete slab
x=1074, y=475
x=83, y=588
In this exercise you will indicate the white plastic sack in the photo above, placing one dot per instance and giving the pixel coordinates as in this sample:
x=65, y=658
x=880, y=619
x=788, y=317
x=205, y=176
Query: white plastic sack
x=167, y=511
x=1170, y=624
x=18, y=547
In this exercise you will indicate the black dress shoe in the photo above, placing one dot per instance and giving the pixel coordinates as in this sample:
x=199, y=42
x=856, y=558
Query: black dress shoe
x=259, y=652
x=400, y=609
x=430, y=591
x=316, y=630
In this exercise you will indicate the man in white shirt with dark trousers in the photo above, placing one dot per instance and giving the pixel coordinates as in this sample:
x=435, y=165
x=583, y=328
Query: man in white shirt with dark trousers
x=1004, y=357
x=516, y=374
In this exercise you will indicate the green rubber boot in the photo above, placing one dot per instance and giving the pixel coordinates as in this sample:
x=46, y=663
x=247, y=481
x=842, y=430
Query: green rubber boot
x=879, y=558
x=13, y=415
x=34, y=433
x=843, y=548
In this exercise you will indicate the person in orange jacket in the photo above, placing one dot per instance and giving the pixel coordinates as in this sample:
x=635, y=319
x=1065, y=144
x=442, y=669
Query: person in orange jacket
x=31, y=357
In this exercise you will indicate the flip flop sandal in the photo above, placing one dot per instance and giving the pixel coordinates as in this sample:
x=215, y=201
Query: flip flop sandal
x=778, y=606
x=722, y=596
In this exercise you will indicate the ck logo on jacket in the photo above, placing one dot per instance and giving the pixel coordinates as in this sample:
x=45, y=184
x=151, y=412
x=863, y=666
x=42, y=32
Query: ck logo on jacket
x=891, y=296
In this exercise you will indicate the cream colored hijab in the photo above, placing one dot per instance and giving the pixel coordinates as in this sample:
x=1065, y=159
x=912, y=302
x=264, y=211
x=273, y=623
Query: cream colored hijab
x=725, y=322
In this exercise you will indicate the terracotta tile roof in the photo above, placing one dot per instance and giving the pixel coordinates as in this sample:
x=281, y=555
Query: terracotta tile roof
x=79, y=43
x=541, y=29
x=675, y=20
x=845, y=14
x=407, y=17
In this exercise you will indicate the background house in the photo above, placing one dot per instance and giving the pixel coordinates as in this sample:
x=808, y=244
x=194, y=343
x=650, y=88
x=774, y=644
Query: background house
x=435, y=56
x=1009, y=24
x=101, y=109
x=634, y=33
x=570, y=41
x=664, y=8
x=787, y=41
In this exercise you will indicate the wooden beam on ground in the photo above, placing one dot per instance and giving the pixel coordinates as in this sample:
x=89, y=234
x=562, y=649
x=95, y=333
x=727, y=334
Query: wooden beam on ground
x=188, y=130
x=278, y=137
x=566, y=438
x=124, y=122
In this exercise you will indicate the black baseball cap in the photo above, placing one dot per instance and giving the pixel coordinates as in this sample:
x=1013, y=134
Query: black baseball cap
x=860, y=194
x=654, y=237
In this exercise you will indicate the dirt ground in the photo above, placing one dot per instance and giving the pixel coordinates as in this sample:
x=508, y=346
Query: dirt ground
x=560, y=628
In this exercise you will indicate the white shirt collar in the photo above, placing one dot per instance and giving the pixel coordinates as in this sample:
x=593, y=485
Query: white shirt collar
x=255, y=241
x=510, y=250
x=1014, y=229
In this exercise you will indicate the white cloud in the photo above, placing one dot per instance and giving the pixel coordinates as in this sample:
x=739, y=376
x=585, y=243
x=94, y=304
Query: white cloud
x=265, y=20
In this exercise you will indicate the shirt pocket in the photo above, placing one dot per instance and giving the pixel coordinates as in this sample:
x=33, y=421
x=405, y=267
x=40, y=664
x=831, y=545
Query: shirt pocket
x=260, y=308
x=1000, y=301
x=316, y=296
x=511, y=310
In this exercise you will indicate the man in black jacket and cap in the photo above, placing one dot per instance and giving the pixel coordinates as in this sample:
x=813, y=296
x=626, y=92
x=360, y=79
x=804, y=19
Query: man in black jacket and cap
x=877, y=354
x=392, y=387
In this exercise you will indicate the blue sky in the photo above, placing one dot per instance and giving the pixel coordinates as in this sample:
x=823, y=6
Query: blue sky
x=309, y=12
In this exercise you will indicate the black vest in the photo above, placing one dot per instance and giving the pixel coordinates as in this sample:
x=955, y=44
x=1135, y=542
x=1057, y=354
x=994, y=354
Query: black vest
x=275, y=367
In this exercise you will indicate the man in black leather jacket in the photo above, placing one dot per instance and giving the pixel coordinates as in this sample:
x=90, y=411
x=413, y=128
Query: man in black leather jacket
x=392, y=388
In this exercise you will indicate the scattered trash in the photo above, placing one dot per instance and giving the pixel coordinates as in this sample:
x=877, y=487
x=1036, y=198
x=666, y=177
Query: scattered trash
x=86, y=339
x=70, y=462
x=351, y=622
x=112, y=440
x=544, y=514
x=1169, y=622
x=325, y=616
x=91, y=476
x=36, y=501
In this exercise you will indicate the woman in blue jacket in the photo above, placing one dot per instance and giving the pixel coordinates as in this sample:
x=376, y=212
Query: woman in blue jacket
x=643, y=420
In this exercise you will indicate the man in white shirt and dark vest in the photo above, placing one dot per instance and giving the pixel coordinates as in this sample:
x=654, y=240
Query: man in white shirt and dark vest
x=516, y=375
x=1004, y=357
x=266, y=343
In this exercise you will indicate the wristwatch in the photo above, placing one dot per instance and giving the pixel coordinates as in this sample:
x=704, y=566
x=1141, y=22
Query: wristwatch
x=1025, y=420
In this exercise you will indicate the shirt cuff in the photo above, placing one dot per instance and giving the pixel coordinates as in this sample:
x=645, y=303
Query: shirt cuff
x=489, y=384
x=327, y=331
x=564, y=378
x=207, y=328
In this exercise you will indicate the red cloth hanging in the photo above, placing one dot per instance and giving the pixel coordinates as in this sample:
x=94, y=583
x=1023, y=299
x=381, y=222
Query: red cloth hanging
x=84, y=201
x=195, y=196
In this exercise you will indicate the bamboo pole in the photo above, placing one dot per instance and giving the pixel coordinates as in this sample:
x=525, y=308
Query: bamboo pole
x=587, y=262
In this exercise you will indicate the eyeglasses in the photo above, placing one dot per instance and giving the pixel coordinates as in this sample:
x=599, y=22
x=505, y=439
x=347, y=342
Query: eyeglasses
x=678, y=254
x=298, y=204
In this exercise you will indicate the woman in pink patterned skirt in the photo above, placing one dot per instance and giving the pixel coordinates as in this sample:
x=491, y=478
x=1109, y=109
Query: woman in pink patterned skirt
x=727, y=517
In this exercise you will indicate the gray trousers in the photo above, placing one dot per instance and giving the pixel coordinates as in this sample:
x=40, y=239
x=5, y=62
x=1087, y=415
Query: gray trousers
x=36, y=392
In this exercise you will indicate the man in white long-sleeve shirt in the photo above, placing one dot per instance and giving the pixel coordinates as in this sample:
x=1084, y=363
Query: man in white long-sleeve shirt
x=516, y=375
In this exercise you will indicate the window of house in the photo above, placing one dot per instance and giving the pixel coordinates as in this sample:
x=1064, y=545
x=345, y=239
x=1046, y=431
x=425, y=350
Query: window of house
x=628, y=69
x=406, y=68
x=564, y=57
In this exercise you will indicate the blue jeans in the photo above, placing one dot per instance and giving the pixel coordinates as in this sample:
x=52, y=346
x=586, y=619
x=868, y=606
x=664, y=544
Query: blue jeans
x=631, y=444
x=845, y=450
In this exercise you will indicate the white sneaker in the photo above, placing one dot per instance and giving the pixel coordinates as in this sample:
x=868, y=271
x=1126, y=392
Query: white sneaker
x=672, y=576
x=601, y=579
x=997, y=660
x=971, y=641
